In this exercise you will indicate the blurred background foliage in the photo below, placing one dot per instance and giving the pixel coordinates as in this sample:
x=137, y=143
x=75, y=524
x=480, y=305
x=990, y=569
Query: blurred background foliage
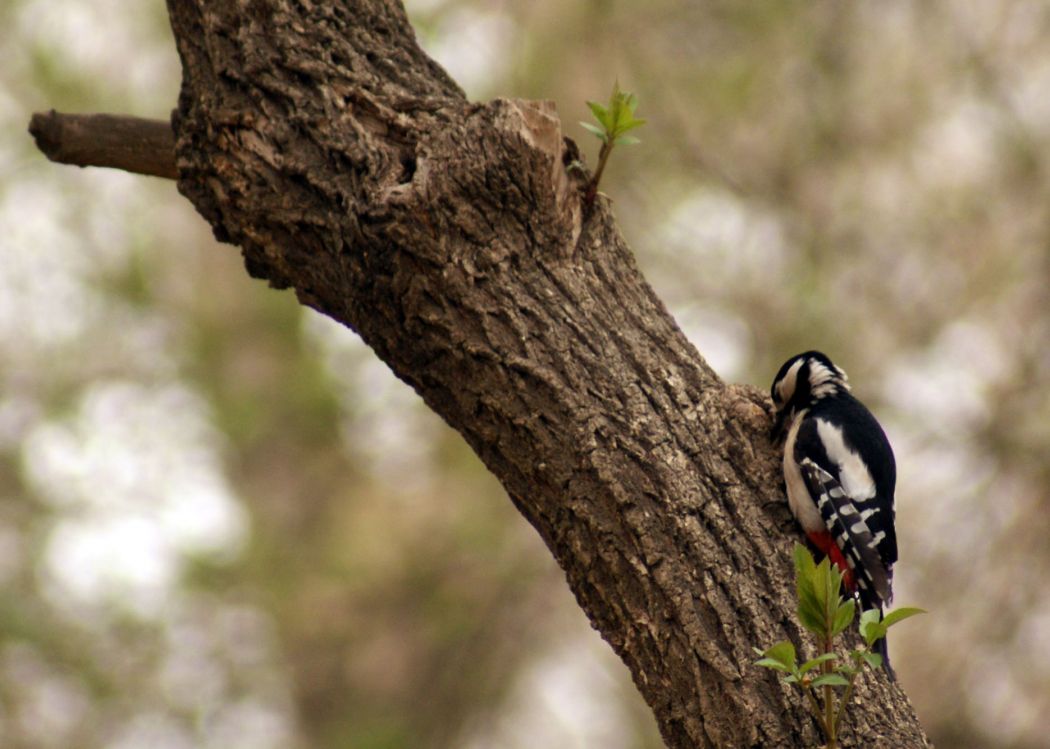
x=224, y=524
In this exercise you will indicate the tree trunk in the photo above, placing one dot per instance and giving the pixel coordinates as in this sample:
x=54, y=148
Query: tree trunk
x=450, y=235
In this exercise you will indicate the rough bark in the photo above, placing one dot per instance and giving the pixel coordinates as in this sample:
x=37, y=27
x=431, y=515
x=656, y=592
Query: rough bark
x=449, y=234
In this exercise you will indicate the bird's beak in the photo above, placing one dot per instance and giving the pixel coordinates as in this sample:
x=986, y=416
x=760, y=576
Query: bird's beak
x=776, y=434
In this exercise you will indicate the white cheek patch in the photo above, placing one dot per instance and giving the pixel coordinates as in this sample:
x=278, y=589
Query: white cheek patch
x=853, y=474
x=786, y=387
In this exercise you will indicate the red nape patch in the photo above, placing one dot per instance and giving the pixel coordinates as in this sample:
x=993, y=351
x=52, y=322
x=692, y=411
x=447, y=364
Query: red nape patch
x=826, y=544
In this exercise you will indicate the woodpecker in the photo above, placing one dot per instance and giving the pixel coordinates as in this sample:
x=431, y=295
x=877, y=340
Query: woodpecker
x=840, y=475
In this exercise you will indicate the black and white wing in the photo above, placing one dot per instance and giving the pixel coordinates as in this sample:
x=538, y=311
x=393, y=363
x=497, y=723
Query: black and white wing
x=846, y=521
x=854, y=496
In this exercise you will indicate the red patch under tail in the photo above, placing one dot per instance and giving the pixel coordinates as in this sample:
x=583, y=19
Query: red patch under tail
x=824, y=541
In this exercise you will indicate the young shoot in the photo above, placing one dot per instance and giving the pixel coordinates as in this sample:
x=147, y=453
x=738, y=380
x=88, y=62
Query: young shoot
x=614, y=120
x=827, y=680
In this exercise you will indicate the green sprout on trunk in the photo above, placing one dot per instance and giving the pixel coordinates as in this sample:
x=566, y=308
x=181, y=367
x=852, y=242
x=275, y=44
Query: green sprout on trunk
x=614, y=121
x=823, y=611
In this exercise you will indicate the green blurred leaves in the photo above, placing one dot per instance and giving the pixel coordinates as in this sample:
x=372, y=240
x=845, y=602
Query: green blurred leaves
x=825, y=613
x=780, y=657
x=615, y=120
x=821, y=608
x=873, y=627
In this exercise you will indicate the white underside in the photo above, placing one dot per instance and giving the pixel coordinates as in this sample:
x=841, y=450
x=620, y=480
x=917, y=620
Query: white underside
x=802, y=506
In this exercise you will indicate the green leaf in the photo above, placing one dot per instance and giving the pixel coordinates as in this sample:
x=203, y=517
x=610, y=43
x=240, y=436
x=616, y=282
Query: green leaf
x=615, y=119
x=843, y=617
x=601, y=114
x=871, y=628
x=823, y=600
x=835, y=597
x=870, y=616
x=804, y=564
x=811, y=664
x=827, y=584
x=810, y=612
x=628, y=124
x=833, y=680
x=595, y=129
x=773, y=664
x=898, y=615
x=783, y=653
x=872, y=659
x=877, y=633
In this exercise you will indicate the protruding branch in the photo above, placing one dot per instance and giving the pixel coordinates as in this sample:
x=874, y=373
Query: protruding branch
x=129, y=143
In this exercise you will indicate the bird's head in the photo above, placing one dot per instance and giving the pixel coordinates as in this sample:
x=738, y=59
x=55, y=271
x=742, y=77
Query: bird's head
x=802, y=381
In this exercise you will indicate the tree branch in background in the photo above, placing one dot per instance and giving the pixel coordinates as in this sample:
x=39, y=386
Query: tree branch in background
x=130, y=143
